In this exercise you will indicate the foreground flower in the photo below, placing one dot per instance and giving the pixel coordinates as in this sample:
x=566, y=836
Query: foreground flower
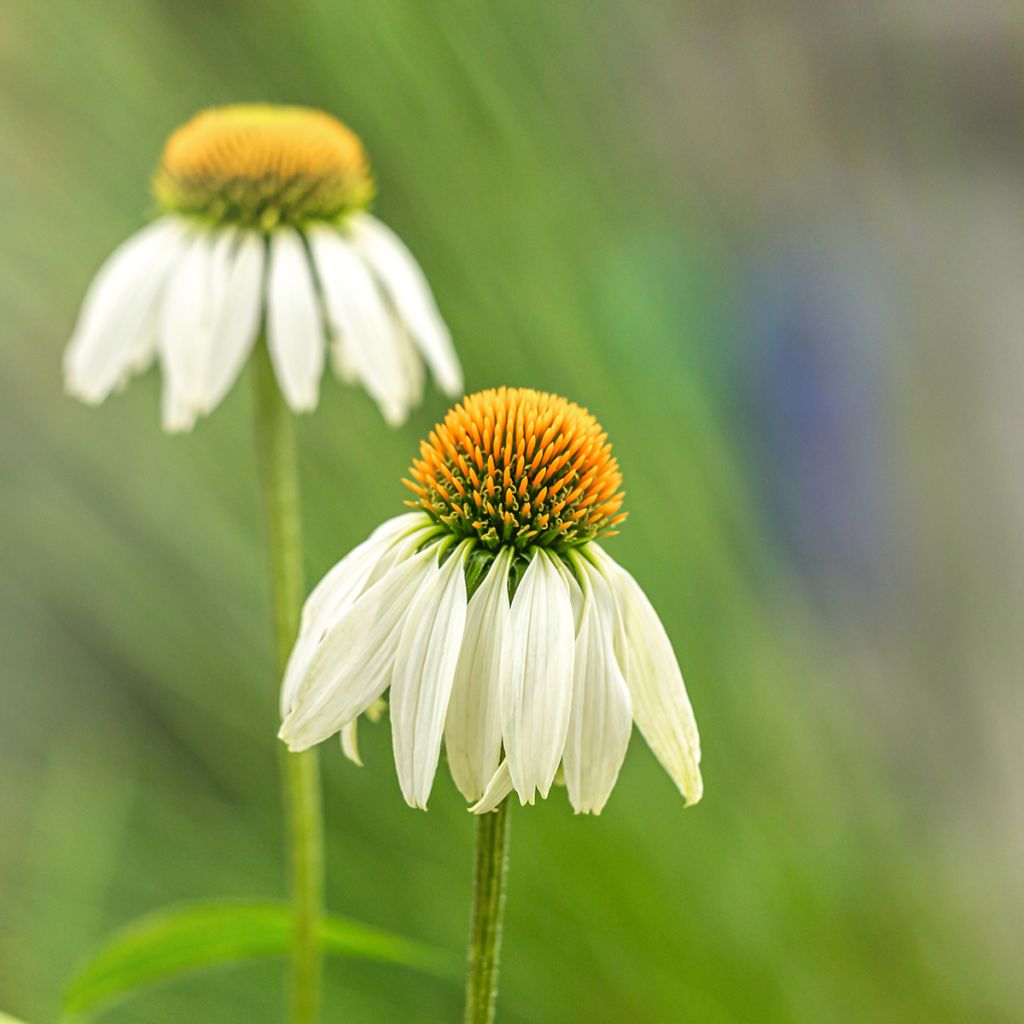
x=263, y=228
x=498, y=621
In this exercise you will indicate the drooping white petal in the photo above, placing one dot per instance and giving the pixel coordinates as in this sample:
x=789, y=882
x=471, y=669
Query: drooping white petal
x=661, y=707
x=189, y=309
x=364, y=332
x=342, y=362
x=145, y=349
x=352, y=665
x=175, y=415
x=410, y=293
x=111, y=336
x=536, y=677
x=349, y=734
x=415, y=374
x=601, y=718
x=238, y=321
x=428, y=652
x=575, y=592
x=295, y=334
x=343, y=583
x=499, y=787
x=472, y=731
x=340, y=587
x=350, y=742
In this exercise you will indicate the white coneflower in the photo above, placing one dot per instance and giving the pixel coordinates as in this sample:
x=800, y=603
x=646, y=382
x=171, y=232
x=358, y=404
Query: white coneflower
x=497, y=620
x=263, y=228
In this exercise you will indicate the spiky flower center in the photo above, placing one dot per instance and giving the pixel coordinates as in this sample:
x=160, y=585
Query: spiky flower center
x=519, y=467
x=262, y=165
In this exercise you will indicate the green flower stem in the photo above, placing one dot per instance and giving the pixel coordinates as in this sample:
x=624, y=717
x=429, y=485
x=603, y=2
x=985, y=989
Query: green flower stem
x=489, y=882
x=275, y=445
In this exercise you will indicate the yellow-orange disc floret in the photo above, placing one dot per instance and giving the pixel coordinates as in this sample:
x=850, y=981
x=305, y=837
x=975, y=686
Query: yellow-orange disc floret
x=519, y=467
x=263, y=165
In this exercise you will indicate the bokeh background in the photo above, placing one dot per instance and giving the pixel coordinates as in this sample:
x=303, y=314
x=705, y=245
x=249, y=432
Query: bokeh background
x=778, y=249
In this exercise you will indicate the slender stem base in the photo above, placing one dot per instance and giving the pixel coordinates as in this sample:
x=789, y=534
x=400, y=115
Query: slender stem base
x=489, y=882
x=275, y=444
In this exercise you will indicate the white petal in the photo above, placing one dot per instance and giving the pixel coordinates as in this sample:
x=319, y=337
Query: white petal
x=472, y=731
x=661, y=707
x=188, y=311
x=424, y=672
x=238, y=321
x=413, y=367
x=575, y=592
x=341, y=586
x=342, y=362
x=536, y=677
x=601, y=718
x=111, y=336
x=294, y=331
x=349, y=734
x=352, y=665
x=499, y=787
x=350, y=742
x=407, y=286
x=363, y=329
x=144, y=350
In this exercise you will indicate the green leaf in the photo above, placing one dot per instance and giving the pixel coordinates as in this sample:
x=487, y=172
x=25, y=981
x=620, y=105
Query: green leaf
x=6, y=1018
x=196, y=935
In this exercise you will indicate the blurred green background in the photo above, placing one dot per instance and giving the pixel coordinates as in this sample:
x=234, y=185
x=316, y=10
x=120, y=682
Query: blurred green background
x=778, y=249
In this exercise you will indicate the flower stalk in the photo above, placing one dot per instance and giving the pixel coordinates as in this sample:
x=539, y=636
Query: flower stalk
x=275, y=446
x=489, y=885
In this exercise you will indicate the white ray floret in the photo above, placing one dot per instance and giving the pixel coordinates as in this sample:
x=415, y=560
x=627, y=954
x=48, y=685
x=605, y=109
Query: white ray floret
x=117, y=316
x=295, y=333
x=535, y=680
x=601, y=718
x=421, y=684
x=661, y=706
x=473, y=728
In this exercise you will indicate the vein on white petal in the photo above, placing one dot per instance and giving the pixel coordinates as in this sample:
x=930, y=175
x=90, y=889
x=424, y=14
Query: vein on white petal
x=424, y=673
x=352, y=665
x=472, y=731
x=498, y=787
x=295, y=334
x=113, y=334
x=536, y=677
x=407, y=286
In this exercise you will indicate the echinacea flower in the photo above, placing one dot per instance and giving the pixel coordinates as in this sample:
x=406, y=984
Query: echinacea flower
x=263, y=228
x=496, y=618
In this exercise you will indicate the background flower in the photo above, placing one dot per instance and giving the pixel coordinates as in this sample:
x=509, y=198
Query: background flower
x=262, y=227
